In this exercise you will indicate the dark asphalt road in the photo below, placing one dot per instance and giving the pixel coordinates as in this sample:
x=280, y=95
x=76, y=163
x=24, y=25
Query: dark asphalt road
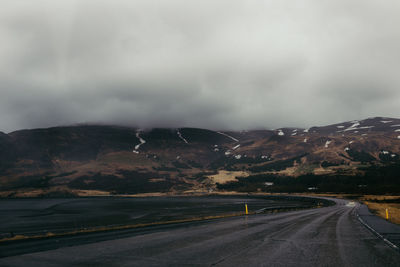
x=331, y=236
x=39, y=216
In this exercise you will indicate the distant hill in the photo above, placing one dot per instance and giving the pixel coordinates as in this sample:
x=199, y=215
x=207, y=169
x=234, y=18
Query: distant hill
x=121, y=160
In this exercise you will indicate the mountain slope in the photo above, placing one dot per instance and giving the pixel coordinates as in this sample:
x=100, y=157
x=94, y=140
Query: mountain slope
x=128, y=160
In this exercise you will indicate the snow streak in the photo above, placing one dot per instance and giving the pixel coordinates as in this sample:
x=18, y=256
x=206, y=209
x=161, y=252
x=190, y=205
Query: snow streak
x=327, y=143
x=181, y=137
x=231, y=137
x=142, y=141
x=235, y=147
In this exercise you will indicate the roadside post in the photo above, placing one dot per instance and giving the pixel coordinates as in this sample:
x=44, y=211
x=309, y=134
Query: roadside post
x=387, y=214
x=247, y=211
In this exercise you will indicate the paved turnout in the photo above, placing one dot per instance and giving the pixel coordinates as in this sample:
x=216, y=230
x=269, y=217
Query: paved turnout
x=331, y=236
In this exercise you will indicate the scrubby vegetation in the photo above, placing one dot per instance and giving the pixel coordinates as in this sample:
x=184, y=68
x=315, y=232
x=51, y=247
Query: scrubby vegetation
x=389, y=157
x=360, y=156
x=374, y=180
x=277, y=165
x=131, y=183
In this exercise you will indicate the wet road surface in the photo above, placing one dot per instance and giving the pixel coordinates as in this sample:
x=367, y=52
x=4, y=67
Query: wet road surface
x=330, y=236
x=39, y=216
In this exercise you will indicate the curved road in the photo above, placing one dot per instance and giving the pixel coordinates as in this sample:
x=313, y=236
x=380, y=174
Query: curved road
x=331, y=236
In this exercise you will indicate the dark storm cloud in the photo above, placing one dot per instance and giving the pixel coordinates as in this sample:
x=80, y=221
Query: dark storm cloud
x=214, y=64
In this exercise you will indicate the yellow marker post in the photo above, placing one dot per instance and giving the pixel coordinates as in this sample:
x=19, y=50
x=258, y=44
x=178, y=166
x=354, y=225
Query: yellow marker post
x=387, y=214
x=247, y=211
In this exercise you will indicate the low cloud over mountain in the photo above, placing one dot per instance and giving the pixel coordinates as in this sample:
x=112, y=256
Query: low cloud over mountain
x=213, y=64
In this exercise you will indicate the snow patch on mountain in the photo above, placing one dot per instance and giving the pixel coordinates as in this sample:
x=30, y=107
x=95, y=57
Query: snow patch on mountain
x=142, y=141
x=386, y=121
x=327, y=143
x=181, y=137
x=227, y=135
x=236, y=147
x=281, y=133
x=238, y=156
x=351, y=128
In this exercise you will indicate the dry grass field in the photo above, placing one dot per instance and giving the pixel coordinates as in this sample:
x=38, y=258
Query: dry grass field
x=227, y=176
x=380, y=210
x=379, y=204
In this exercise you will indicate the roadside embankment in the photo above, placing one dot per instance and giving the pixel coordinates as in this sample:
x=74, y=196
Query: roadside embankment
x=388, y=231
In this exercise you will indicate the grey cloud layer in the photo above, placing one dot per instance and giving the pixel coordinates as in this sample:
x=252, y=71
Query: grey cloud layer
x=214, y=64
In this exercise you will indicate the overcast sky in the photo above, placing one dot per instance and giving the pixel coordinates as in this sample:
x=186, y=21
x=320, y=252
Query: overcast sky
x=234, y=64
